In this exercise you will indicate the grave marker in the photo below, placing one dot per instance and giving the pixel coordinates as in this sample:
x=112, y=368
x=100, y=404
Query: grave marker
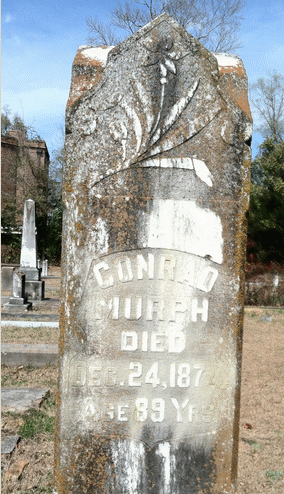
x=34, y=286
x=18, y=302
x=28, y=250
x=45, y=268
x=155, y=200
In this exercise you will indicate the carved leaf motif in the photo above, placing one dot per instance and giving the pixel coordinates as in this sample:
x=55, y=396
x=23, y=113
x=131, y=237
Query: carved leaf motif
x=170, y=65
x=179, y=107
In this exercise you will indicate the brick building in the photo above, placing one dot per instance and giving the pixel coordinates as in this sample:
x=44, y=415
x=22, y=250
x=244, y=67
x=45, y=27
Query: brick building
x=24, y=172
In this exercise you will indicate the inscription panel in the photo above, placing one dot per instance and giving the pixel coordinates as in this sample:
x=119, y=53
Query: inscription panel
x=148, y=356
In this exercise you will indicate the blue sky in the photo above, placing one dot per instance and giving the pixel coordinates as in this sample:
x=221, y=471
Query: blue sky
x=40, y=40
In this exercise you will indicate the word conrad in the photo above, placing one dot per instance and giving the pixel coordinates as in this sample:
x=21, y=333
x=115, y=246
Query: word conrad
x=186, y=272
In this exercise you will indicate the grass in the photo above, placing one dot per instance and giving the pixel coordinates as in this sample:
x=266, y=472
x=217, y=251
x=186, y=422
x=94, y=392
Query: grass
x=49, y=403
x=16, y=334
x=274, y=474
x=255, y=446
x=37, y=422
x=40, y=489
x=49, y=382
x=13, y=382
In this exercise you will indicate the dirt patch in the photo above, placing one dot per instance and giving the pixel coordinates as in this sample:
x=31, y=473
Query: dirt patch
x=261, y=444
x=16, y=334
x=33, y=454
x=261, y=448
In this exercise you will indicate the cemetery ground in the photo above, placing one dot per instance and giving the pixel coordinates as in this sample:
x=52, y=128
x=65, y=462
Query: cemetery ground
x=261, y=442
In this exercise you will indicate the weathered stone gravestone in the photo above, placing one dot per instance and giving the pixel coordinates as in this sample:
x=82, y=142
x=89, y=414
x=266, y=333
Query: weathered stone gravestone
x=45, y=268
x=18, y=301
x=28, y=257
x=155, y=197
x=34, y=286
x=26, y=281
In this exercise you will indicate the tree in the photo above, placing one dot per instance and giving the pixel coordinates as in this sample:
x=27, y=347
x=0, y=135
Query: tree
x=26, y=171
x=6, y=123
x=266, y=219
x=54, y=218
x=215, y=23
x=267, y=97
x=43, y=184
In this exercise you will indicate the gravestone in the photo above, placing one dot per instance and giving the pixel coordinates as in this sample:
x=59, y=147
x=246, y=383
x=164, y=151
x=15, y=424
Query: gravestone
x=45, y=268
x=18, y=301
x=34, y=286
x=155, y=197
x=9, y=444
x=6, y=277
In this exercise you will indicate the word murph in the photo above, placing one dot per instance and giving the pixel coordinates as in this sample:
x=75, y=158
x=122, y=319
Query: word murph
x=155, y=199
x=154, y=268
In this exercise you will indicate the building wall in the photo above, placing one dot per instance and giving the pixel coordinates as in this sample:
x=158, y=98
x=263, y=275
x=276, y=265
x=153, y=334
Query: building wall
x=9, y=151
x=23, y=162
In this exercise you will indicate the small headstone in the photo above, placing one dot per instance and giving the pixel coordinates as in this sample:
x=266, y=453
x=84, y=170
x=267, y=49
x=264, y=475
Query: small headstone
x=18, y=301
x=275, y=281
x=28, y=257
x=6, y=277
x=22, y=399
x=266, y=318
x=155, y=200
x=36, y=355
x=9, y=444
x=18, y=289
x=44, y=268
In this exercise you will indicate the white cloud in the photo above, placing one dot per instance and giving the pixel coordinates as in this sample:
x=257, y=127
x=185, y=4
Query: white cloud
x=12, y=41
x=8, y=18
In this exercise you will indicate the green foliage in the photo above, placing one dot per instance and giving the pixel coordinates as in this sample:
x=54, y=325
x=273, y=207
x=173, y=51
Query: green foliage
x=39, y=490
x=45, y=191
x=15, y=122
x=37, y=422
x=274, y=474
x=53, y=233
x=10, y=241
x=264, y=295
x=6, y=123
x=266, y=220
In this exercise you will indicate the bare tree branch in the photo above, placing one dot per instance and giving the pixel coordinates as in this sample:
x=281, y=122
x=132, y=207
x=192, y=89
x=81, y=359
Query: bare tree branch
x=214, y=22
x=102, y=34
x=267, y=97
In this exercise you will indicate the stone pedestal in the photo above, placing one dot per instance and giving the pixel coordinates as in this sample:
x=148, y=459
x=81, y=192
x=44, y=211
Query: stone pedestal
x=34, y=290
x=34, y=286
